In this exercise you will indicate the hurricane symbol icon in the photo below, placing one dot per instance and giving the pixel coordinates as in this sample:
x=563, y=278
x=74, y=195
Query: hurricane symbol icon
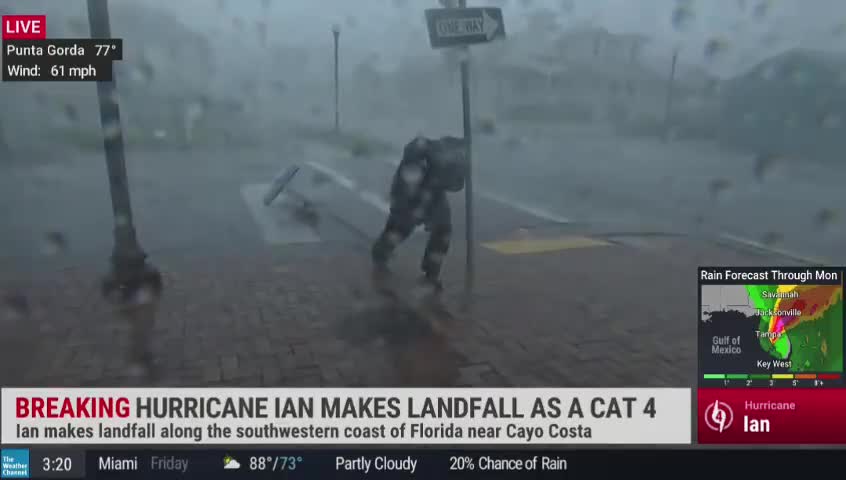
x=719, y=416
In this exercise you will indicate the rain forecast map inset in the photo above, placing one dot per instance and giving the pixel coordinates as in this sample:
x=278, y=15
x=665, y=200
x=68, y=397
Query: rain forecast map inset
x=773, y=326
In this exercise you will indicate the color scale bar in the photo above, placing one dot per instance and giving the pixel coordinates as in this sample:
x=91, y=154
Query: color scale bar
x=774, y=376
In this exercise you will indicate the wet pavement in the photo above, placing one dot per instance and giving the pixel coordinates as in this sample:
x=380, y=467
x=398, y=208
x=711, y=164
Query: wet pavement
x=555, y=303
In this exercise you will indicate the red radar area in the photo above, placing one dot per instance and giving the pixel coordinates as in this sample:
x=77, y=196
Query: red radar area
x=771, y=364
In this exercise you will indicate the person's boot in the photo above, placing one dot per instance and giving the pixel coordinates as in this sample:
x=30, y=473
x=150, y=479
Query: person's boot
x=429, y=287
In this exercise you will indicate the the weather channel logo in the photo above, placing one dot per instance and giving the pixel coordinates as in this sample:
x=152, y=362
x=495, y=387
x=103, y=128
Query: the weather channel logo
x=15, y=463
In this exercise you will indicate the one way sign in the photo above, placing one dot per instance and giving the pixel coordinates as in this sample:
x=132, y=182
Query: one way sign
x=452, y=27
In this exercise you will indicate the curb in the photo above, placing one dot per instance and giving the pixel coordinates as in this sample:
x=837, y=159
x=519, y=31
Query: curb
x=727, y=238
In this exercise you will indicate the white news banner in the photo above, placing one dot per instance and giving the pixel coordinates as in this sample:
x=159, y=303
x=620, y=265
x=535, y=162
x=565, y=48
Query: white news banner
x=374, y=416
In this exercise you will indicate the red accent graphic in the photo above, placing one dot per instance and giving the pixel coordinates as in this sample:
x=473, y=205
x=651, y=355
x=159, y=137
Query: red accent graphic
x=785, y=416
x=80, y=407
x=24, y=27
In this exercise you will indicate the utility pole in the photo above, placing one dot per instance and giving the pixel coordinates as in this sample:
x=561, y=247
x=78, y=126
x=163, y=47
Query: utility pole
x=470, y=265
x=133, y=284
x=336, y=33
x=668, y=107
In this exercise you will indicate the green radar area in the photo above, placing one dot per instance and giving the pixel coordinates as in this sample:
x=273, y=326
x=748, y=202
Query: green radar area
x=801, y=325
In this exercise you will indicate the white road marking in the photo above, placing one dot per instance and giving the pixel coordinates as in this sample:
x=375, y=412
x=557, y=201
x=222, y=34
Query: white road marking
x=778, y=251
x=376, y=201
x=366, y=196
x=524, y=207
x=339, y=178
x=276, y=225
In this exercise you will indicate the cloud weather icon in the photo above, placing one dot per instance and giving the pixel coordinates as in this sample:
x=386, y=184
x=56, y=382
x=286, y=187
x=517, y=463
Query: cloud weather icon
x=230, y=463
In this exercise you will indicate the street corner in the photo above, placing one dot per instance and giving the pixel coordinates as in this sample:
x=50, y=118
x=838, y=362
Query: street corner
x=525, y=241
x=561, y=308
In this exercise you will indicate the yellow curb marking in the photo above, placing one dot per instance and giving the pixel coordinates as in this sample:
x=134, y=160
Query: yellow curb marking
x=543, y=245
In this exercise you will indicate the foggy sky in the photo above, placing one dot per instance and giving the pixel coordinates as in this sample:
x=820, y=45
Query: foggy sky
x=380, y=26
x=393, y=29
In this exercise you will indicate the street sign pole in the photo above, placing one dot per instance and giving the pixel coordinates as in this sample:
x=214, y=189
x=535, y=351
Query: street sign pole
x=470, y=264
x=133, y=284
x=461, y=27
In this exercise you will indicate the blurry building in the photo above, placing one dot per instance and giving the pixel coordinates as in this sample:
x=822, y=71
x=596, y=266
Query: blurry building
x=793, y=104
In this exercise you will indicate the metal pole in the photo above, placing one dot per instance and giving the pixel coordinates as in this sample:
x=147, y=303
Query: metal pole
x=336, y=32
x=130, y=274
x=469, y=272
x=670, y=87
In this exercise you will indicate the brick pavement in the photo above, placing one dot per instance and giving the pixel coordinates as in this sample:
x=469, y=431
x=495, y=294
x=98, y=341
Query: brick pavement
x=622, y=315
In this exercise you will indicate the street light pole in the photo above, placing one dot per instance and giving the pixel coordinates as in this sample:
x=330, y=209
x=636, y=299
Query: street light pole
x=336, y=33
x=132, y=283
x=668, y=105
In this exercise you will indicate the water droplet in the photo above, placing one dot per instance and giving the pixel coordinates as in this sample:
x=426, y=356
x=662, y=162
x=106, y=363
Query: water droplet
x=825, y=218
x=351, y=21
x=831, y=121
x=144, y=70
x=261, y=32
x=715, y=48
x=54, y=243
x=682, y=17
x=772, y=239
x=71, y=113
x=15, y=307
x=761, y=9
x=765, y=165
x=719, y=187
x=78, y=26
x=112, y=130
x=121, y=220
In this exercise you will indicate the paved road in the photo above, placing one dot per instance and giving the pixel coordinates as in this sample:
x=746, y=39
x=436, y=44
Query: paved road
x=587, y=174
x=185, y=203
x=258, y=299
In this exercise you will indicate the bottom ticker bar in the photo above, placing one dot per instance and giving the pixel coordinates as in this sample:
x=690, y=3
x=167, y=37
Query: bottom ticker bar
x=417, y=463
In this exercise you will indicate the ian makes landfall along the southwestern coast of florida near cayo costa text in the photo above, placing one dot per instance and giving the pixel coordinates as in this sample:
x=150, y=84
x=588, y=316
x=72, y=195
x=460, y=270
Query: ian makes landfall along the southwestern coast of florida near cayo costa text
x=771, y=321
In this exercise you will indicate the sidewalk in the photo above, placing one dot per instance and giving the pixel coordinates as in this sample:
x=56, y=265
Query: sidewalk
x=617, y=314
